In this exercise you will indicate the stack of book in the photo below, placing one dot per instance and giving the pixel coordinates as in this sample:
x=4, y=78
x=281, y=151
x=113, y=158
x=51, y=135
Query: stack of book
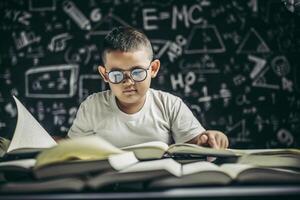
x=91, y=163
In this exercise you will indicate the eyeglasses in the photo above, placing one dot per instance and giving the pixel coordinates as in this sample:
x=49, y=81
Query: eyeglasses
x=137, y=74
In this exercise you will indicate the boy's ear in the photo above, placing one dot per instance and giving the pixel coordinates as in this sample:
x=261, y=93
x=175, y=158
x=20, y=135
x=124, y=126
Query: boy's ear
x=155, y=68
x=101, y=70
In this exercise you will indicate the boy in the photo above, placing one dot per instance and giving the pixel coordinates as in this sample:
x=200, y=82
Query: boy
x=131, y=112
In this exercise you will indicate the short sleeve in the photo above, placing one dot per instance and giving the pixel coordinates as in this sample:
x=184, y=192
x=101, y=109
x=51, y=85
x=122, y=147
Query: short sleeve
x=184, y=124
x=81, y=125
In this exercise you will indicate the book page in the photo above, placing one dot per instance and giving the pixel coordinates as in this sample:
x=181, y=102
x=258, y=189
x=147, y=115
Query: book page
x=25, y=163
x=123, y=160
x=4, y=144
x=197, y=173
x=29, y=133
x=244, y=173
x=185, y=148
x=148, y=150
x=80, y=148
x=164, y=164
x=267, y=151
x=234, y=169
x=284, y=161
x=153, y=144
x=199, y=167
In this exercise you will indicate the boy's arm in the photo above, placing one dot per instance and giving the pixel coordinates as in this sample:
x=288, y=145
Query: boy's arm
x=212, y=138
x=81, y=125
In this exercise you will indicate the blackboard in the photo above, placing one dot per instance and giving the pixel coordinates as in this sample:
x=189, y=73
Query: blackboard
x=235, y=63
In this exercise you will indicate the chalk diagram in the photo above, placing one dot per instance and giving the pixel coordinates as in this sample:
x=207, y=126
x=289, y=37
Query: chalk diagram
x=204, y=39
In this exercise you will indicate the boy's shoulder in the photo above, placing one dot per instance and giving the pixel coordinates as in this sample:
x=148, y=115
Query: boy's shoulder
x=163, y=95
x=103, y=96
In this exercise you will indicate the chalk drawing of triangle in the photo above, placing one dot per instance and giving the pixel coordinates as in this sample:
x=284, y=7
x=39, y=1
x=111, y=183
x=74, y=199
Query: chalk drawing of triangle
x=204, y=39
x=261, y=81
x=253, y=43
x=160, y=47
x=107, y=24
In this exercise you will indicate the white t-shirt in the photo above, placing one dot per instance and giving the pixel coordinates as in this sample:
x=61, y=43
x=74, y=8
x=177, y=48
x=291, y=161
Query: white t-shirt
x=164, y=117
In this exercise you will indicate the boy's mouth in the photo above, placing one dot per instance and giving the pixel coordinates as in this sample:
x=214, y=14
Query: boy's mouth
x=129, y=91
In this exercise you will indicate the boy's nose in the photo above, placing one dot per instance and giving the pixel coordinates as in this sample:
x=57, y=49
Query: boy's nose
x=128, y=79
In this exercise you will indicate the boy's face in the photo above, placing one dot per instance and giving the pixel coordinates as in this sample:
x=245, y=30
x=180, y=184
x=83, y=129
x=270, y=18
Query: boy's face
x=128, y=91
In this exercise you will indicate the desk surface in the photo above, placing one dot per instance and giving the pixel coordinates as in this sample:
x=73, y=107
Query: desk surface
x=228, y=192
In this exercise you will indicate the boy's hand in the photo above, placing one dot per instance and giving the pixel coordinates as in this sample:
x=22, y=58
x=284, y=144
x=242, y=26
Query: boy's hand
x=211, y=138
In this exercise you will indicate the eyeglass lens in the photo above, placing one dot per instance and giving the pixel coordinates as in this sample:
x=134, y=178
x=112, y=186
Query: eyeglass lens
x=136, y=74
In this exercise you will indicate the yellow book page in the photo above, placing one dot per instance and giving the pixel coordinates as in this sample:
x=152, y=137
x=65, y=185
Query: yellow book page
x=81, y=148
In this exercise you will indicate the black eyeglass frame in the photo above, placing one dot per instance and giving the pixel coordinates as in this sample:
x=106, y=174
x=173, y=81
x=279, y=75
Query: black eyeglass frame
x=130, y=74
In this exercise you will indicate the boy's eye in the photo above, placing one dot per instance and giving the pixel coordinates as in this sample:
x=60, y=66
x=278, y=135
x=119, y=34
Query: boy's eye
x=136, y=72
x=115, y=76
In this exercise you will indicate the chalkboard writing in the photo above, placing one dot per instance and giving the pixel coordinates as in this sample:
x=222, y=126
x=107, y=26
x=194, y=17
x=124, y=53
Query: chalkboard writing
x=235, y=63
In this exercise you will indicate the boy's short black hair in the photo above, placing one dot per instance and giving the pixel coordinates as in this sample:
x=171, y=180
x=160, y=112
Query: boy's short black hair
x=126, y=39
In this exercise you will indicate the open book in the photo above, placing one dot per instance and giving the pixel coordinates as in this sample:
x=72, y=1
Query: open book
x=206, y=173
x=81, y=155
x=158, y=174
x=75, y=162
x=71, y=157
x=93, y=163
x=169, y=173
x=158, y=149
x=105, y=181
x=93, y=154
x=29, y=136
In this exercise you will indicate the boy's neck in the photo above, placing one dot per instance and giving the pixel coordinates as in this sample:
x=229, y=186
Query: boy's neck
x=131, y=108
